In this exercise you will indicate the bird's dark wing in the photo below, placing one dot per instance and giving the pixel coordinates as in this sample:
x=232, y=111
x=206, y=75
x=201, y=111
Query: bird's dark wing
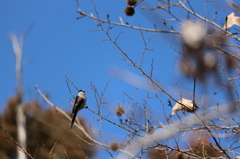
x=73, y=108
x=78, y=101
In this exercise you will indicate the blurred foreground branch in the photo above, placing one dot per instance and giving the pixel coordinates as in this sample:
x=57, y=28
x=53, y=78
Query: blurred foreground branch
x=21, y=119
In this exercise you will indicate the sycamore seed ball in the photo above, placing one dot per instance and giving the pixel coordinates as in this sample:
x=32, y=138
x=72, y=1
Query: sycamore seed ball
x=120, y=111
x=131, y=2
x=129, y=11
x=114, y=146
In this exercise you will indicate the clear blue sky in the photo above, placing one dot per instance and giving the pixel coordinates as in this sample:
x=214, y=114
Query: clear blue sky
x=58, y=43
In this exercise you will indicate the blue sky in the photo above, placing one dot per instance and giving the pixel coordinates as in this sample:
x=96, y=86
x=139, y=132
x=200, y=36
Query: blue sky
x=58, y=43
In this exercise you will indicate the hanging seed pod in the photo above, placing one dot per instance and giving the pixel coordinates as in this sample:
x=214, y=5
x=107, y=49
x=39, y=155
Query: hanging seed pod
x=120, y=111
x=129, y=11
x=131, y=2
x=114, y=146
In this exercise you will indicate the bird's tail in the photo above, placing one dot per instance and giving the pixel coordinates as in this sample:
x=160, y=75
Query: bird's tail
x=73, y=119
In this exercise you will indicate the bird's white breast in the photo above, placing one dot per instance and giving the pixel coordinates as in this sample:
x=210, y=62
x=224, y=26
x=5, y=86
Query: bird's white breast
x=81, y=94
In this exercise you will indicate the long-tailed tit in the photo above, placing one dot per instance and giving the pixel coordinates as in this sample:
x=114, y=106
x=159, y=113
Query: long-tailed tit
x=79, y=103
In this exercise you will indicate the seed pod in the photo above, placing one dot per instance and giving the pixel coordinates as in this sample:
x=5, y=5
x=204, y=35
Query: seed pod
x=120, y=111
x=129, y=11
x=150, y=131
x=114, y=146
x=131, y=2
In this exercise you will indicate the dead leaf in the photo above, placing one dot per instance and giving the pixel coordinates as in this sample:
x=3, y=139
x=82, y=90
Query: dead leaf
x=231, y=20
x=193, y=34
x=188, y=106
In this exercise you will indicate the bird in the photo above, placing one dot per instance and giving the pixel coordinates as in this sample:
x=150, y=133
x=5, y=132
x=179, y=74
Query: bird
x=79, y=103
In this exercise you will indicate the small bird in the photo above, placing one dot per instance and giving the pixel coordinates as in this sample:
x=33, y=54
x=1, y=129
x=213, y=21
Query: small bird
x=79, y=103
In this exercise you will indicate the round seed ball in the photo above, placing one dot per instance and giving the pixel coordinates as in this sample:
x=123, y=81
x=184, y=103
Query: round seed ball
x=131, y=2
x=129, y=11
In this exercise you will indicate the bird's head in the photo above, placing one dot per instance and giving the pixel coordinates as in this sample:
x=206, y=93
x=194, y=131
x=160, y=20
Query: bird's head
x=82, y=90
